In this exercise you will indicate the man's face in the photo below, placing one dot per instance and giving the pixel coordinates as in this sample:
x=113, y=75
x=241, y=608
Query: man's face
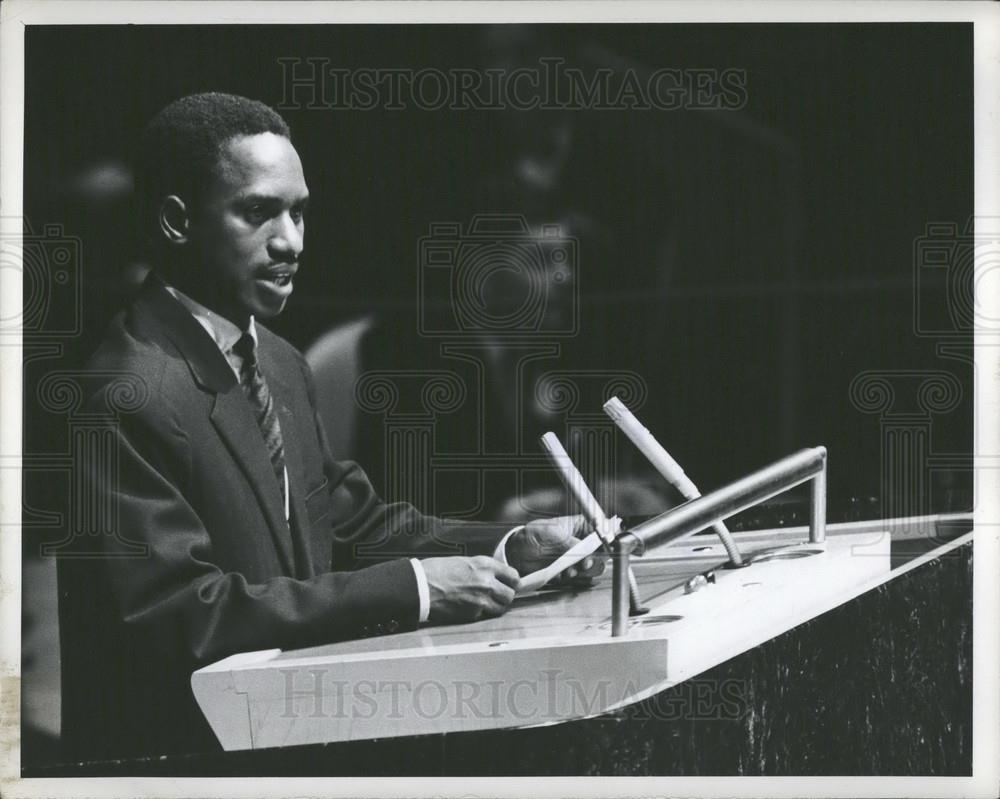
x=247, y=228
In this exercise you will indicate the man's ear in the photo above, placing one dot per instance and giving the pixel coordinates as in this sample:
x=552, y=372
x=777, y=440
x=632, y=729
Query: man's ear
x=173, y=219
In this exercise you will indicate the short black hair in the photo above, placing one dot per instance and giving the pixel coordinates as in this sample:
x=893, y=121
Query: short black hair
x=180, y=147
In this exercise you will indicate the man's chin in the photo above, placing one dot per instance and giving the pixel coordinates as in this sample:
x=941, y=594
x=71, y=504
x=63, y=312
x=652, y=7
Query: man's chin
x=263, y=313
x=266, y=302
x=264, y=305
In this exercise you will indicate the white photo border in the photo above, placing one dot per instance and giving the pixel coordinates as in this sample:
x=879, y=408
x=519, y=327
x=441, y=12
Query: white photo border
x=15, y=15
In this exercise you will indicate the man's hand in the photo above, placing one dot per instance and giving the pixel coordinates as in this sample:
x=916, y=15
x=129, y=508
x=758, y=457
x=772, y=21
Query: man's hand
x=543, y=540
x=467, y=589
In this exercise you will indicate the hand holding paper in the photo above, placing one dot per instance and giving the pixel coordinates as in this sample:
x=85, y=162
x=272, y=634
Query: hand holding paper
x=547, y=548
x=573, y=556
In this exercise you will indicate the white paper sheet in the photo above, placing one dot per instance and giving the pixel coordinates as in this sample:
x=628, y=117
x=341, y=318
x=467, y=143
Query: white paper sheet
x=535, y=580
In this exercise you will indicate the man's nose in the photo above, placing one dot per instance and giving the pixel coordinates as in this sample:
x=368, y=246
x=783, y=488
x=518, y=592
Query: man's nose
x=286, y=242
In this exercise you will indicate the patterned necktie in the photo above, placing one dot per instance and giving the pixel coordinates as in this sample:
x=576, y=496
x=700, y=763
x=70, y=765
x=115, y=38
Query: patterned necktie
x=262, y=404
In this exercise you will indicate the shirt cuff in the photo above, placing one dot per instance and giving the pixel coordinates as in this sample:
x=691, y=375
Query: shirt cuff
x=500, y=553
x=423, y=590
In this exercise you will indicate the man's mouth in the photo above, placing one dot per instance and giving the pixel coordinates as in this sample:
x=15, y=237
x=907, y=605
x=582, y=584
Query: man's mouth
x=281, y=276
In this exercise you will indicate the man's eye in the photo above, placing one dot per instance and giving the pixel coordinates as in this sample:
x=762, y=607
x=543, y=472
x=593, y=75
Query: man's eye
x=298, y=214
x=256, y=214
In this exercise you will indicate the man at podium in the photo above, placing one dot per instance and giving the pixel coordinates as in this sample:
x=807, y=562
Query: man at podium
x=232, y=526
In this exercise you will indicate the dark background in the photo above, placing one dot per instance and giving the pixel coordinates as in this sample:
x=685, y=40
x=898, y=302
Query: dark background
x=747, y=265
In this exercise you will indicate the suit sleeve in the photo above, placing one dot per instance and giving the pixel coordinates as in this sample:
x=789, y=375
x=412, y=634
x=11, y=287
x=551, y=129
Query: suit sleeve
x=182, y=601
x=186, y=605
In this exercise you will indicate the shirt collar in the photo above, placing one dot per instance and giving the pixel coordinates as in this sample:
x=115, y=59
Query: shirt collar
x=223, y=332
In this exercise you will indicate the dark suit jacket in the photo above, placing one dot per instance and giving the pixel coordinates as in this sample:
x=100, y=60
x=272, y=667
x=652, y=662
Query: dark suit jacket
x=220, y=570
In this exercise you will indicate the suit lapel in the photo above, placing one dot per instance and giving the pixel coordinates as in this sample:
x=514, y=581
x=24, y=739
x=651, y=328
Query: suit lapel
x=234, y=420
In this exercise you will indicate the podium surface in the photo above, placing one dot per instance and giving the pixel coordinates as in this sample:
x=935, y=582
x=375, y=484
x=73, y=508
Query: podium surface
x=551, y=657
